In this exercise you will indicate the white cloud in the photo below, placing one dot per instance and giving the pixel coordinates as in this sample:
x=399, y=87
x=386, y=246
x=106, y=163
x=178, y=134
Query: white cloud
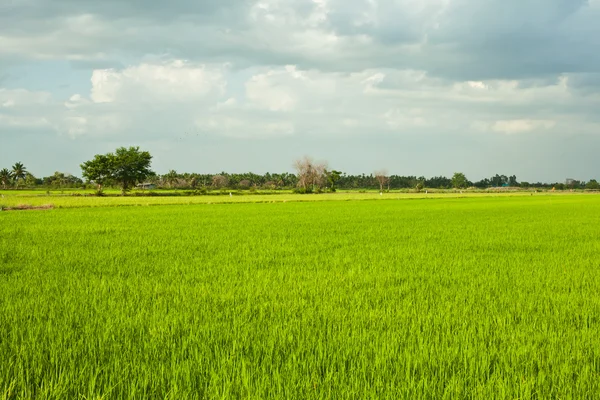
x=31, y=122
x=477, y=85
x=405, y=119
x=176, y=81
x=170, y=99
x=522, y=125
x=17, y=97
x=262, y=93
x=76, y=101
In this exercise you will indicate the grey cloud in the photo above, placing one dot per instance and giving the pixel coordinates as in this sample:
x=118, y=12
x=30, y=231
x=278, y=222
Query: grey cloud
x=96, y=64
x=521, y=39
x=389, y=21
x=467, y=39
x=136, y=9
x=587, y=82
x=460, y=40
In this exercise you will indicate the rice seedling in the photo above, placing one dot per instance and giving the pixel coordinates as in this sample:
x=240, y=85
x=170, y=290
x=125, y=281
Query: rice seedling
x=75, y=200
x=491, y=297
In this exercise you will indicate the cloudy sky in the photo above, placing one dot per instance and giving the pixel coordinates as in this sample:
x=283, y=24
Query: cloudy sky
x=422, y=87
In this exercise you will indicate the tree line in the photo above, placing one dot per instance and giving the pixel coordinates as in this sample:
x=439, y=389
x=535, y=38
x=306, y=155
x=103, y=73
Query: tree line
x=128, y=167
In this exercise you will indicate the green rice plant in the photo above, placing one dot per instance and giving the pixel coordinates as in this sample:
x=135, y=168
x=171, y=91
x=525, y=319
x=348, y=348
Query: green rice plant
x=179, y=198
x=445, y=298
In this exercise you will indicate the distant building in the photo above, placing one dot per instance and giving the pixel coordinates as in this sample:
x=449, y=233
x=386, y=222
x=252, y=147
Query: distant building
x=570, y=181
x=146, y=186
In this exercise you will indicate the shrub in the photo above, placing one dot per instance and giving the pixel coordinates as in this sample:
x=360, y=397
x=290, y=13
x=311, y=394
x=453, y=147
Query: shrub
x=302, y=190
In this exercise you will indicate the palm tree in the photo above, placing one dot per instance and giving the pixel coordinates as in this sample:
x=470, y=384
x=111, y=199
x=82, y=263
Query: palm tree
x=172, y=177
x=19, y=172
x=5, y=177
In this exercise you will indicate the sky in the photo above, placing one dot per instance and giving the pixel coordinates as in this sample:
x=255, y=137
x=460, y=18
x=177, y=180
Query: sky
x=417, y=87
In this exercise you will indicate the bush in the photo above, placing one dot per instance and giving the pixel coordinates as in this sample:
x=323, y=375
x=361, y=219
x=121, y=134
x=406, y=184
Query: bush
x=301, y=190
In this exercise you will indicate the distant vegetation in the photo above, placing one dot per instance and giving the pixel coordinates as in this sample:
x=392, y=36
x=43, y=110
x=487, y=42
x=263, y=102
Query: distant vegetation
x=127, y=168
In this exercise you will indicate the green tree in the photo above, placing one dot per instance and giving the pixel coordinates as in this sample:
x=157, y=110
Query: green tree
x=60, y=179
x=98, y=170
x=420, y=185
x=171, y=177
x=592, y=184
x=483, y=184
x=332, y=177
x=126, y=167
x=5, y=177
x=18, y=173
x=131, y=166
x=459, y=180
x=30, y=180
x=499, y=180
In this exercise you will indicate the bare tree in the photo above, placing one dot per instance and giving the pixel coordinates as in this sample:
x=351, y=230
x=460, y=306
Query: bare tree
x=220, y=181
x=303, y=167
x=311, y=174
x=272, y=185
x=382, y=178
x=319, y=174
x=244, y=184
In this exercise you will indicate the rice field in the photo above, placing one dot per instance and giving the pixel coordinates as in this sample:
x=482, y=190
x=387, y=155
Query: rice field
x=78, y=199
x=445, y=298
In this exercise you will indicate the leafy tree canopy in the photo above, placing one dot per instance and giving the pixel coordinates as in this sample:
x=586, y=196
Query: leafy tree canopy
x=5, y=177
x=18, y=172
x=126, y=167
x=593, y=184
x=459, y=180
